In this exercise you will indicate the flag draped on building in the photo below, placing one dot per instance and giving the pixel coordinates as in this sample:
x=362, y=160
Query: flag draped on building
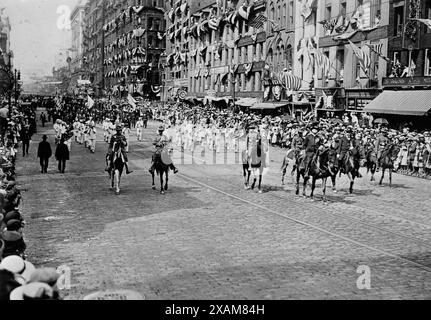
x=290, y=81
x=258, y=21
x=427, y=22
x=322, y=61
x=363, y=56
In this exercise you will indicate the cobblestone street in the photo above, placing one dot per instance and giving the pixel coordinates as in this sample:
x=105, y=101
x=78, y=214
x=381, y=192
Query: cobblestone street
x=208, y=238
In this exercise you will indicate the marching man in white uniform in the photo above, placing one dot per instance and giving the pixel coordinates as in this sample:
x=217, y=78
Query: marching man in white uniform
x=126, y=134
x=92, y=136
x=139, y=127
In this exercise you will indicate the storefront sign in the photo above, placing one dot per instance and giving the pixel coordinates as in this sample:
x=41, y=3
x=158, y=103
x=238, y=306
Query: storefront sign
x=408, y=81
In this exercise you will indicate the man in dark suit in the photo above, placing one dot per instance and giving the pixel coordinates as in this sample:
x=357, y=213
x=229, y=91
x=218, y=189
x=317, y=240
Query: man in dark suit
x=25, y=139
x=44, y=152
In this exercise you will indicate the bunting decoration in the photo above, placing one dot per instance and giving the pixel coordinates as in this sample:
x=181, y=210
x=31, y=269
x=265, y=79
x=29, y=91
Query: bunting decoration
x=244, y=12
x=363, y=55
x=214, y=23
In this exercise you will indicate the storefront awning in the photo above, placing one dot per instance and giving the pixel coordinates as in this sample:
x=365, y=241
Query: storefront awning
x=267, y=106
x=246, y=102
x=402, y=102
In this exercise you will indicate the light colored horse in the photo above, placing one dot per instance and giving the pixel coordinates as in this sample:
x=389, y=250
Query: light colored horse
x=117, y=168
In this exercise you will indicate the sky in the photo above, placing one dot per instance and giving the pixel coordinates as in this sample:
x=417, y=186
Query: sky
x=39, y=38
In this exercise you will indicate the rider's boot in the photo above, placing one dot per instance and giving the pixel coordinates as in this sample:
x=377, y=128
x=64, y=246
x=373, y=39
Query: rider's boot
x=127, y=169
x=174, y=169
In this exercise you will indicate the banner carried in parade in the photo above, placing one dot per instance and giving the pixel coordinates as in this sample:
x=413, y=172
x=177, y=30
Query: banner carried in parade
x=90, y=102
x=131, y=101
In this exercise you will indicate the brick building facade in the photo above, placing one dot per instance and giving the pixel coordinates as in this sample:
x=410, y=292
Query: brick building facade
x=123, y=45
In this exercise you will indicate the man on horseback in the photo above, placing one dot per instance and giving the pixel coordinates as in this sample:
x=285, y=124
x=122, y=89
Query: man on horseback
x=160, y=143
x=119, y=140
x=346, y=145
x=381, y=143
x=309, y=147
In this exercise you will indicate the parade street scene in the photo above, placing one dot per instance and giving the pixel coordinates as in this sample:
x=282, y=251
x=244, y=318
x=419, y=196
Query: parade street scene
x=215, y=150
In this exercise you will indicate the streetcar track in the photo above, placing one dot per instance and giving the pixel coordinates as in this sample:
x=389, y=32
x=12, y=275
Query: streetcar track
x=395, y=217
x=345, y=238
x=348, y=217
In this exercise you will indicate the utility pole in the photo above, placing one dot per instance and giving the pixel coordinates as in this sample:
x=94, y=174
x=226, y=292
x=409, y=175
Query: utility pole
x=103, y=45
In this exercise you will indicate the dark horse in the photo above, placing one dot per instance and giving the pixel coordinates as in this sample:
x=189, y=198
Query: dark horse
x=371, y=161
x=387, y=160
x=116, y=170
x=322, y=166
x=350, y=166
x=161, y=168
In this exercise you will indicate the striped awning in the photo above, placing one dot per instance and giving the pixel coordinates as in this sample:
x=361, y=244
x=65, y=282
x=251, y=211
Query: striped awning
x=402, y=102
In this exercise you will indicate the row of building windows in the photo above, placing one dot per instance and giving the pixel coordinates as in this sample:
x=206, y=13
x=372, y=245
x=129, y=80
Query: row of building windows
x=242, y=83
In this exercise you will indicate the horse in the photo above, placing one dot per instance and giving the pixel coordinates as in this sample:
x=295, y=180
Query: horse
x=350, y=167
x=322, y=166
x=371, y=161
x=254, y=163
x=161, y=168
x=387, y=160
x=116, y=170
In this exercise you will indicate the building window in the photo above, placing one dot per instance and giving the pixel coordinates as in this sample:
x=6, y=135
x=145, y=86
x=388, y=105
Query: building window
x=427, y=69
x=328, y=13
x=428, y=15
x=398, y=20
x=343, y=8
x=340, y=65
x=291, y=14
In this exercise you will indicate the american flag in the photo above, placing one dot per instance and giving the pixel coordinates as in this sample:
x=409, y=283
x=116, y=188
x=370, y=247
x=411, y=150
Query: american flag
x=363, y=55
x=291, y=82
x=322, y=61
x=258, y=21
x=377, y=48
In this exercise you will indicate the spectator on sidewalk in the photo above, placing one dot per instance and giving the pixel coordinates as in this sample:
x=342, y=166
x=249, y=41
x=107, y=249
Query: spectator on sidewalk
x=43, y=119
x=44, y=152
x=62, y=155
x=25, y=139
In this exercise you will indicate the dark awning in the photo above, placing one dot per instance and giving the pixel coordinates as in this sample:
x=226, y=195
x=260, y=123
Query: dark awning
x=402, y=102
